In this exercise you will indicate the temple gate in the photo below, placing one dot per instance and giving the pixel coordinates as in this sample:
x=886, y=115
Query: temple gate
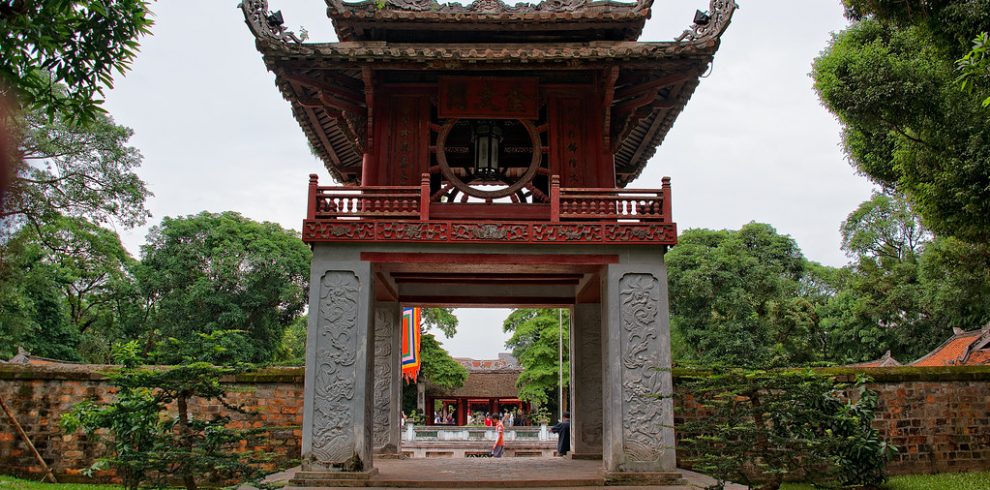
x=484, y=152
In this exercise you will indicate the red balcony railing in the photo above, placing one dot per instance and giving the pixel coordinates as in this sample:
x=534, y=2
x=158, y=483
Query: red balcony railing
x=413, y=202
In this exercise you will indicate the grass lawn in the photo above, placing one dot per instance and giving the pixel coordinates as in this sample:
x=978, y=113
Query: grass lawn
x=945, y=481
x=11, y=483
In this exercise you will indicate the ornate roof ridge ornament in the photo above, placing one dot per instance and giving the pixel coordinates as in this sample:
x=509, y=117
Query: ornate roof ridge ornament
x=267, y=25
x=711, y=24
x=486, y=6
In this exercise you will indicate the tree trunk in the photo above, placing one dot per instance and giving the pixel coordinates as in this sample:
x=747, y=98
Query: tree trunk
x=421, y=397
x=185, y=439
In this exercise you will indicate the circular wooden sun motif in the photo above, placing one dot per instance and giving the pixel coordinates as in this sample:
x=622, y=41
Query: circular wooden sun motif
x=464, y=177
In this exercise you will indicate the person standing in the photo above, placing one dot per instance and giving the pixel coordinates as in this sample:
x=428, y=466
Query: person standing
x=499, y=447
x=563, y=431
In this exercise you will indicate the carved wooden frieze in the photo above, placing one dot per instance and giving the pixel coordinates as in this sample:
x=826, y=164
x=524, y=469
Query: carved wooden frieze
x=412, y=232
x=336, y=372
x=567, y=233
x=383, y=423
x=642, y=410
x=640, y=233
x=338, y=230
x=471, y=232
x=453, y=231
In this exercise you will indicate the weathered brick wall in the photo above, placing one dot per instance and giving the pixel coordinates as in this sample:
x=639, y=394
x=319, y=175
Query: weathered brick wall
x=39, y=395
x=939, y=418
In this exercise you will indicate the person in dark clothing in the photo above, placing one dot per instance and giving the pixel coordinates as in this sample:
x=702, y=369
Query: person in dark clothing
x=563, y=431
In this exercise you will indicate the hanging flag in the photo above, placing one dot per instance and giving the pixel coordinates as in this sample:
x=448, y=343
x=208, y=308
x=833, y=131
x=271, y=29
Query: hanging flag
x=410, y=344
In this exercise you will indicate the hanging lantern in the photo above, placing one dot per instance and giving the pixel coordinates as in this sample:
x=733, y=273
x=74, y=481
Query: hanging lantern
x=487, y=139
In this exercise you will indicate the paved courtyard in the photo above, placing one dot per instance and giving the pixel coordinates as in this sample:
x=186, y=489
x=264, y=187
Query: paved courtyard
x=483, y=473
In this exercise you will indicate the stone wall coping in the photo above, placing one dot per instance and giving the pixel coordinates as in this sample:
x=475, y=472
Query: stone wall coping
x=894, y=374
x=294, y=375
x=101, y=372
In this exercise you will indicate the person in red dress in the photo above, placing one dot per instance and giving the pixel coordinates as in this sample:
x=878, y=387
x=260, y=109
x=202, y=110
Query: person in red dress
x=499, y=447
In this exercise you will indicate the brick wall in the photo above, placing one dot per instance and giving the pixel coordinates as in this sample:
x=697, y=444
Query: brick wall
x=939, y=418
x=39, y=395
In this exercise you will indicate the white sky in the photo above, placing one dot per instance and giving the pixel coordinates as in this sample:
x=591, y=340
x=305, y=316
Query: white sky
x=753, y=144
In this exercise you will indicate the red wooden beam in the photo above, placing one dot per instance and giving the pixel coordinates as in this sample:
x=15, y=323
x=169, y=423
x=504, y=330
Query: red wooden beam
x=672, y=79
x=518, y=259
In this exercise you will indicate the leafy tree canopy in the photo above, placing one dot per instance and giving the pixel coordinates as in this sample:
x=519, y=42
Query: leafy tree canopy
x=222, y=271
x=891, y=79
x=735, y=297
x=905, y=289
x=442, y=319
x=79, y=171
x=535, y=342
x=438, y=367
x=60, y=56
x=67, y=275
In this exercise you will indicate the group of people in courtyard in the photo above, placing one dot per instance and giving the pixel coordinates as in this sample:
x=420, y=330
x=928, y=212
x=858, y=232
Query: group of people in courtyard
x=561, y=428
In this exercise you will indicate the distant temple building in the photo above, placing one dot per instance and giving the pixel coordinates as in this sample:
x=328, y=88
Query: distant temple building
x=964, y=348
x=489, y=389
x=970, y=348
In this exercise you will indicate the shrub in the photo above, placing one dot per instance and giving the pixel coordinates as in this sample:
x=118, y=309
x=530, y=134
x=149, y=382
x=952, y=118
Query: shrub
x=757, y=427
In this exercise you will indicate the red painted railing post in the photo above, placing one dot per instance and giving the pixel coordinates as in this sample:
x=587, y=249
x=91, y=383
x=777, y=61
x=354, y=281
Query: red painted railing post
x=555, y=198
x=665, y=191
x=424, y=198
x=314, y=181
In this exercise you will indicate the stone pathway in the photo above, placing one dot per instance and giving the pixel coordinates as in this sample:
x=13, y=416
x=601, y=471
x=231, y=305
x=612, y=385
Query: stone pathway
x=483, y=473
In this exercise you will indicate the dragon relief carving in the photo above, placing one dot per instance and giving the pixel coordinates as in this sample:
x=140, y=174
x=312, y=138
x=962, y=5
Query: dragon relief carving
x=383, y=423
x=268, y=25
x=336, y=373
x=715, y=22
x=642, y=411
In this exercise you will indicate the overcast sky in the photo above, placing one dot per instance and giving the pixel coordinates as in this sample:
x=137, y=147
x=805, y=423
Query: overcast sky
x=753, y=144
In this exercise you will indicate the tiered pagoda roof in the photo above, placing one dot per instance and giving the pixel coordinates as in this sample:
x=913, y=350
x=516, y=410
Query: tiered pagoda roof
x=330, y=85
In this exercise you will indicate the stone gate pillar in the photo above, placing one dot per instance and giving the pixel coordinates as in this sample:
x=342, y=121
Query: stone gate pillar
x=586, y=381
x=388, y=379
x=638, y=425
x=337, y=415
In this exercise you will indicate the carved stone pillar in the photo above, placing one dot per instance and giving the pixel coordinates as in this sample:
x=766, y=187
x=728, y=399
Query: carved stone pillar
x=638, y=424
x=388, y=379
x=337, y=414
x=586, y=381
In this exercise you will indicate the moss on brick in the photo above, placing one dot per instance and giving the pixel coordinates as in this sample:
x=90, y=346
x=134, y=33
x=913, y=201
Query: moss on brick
x=880, y=375
x=272, y=375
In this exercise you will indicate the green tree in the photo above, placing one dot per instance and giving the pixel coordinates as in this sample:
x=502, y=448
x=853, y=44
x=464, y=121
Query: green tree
x=292, y=347
x=442, y=319
x=880, y=304
x=535, y=342
x=82, y=272
x=760, y=427
x=736, y=297
x=222, y=271
x=905, y=289
x=891, y=79
x=33, y=313
x=974, y=67
x=151, y=445
x=78, y=171
x=437, y=367
x=59, y=56
x=955, y=276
